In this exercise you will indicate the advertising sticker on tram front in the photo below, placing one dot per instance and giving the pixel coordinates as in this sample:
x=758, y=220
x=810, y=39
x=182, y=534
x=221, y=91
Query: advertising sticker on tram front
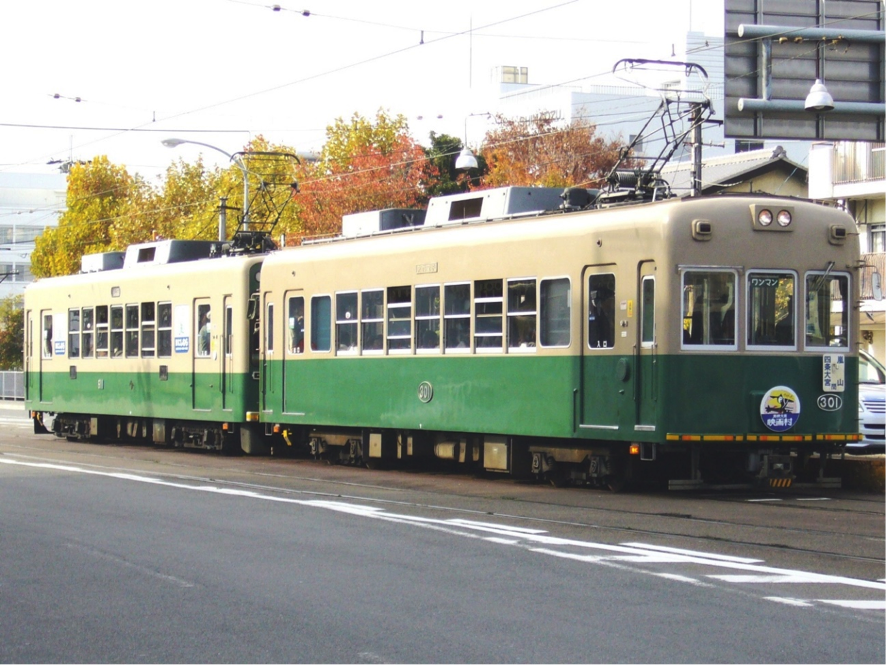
x=780, y=409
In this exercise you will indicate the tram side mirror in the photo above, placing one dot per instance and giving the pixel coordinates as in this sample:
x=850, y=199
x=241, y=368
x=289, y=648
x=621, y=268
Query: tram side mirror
x=252, y=309
x=876, y=286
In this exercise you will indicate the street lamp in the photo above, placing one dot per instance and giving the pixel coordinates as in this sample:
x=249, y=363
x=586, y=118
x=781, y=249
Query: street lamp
x=173, y=143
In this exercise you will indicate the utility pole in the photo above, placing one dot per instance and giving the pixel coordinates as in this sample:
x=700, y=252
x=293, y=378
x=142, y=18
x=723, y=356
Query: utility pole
x=695, y=189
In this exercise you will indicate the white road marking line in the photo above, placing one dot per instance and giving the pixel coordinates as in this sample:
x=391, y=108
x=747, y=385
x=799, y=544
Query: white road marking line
x=822, y=498
x=809, y=578
x=857, y=604
x=677, y=550
x=796, y=602
x=683, y=578
x=762, y=500
x=502, y=541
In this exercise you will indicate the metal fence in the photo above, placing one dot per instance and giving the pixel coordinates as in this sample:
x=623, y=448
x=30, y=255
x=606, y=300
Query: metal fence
x=12, y=385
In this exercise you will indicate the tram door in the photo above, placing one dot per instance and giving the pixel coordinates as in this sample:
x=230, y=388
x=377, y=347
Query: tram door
x=267, y=357
x=646, y=350
x=205, y=380
x=602, y=391
x=227, y=373
x=29, y=349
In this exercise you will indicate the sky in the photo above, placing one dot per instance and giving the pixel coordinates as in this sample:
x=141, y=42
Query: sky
x=222, y=72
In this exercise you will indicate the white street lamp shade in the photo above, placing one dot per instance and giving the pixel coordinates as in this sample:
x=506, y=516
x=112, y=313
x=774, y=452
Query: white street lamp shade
x=466, y=160
x=819, y=99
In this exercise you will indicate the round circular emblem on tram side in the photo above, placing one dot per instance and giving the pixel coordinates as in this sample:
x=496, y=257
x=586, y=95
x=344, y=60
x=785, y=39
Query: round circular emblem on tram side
x=425, y=392
x=830, y=402
x=780, y=409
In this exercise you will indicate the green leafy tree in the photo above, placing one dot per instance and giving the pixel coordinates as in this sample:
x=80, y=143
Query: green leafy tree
x=12, y=330
x=442, y=153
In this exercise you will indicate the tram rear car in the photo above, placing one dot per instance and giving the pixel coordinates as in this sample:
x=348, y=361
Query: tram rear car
x=154, y=351
x=711, y=337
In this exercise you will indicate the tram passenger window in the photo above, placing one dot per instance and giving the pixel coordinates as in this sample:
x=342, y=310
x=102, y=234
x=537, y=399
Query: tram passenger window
x=88, y=331
x=399, y=318
x=372, y=320
x=47, y=335
x=601, y=311
x=522, y=313
x=131, y=337
x=164, y=330
x=709, y=308
x=457, y=317
x=296, y=324
x=321, y=323
x=116, y=331
x=771, y=308
x=346, y=322
x=229, y=329
x=555, y=301
x=101, y=331
x=149, y=324
x=488, y=310
x=827, y=310
x=73, y=333
x=427, y=318
x=204, y=330
x=647, y=311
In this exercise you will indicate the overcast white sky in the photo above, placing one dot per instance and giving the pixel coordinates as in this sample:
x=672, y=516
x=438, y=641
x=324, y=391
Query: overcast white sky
x=150, y=69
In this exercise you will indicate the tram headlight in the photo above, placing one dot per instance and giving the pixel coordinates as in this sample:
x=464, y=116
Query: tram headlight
x=783, y=218
x=764, y=217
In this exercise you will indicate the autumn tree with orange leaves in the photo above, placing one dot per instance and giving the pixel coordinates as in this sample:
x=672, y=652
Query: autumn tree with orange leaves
x=364, y=166
x=536, y=152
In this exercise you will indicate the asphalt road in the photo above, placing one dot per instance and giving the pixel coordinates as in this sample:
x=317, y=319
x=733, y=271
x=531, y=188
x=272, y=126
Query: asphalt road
x=119, y=553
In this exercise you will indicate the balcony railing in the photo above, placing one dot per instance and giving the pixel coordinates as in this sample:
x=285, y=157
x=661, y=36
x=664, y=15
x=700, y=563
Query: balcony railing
x=856, y=161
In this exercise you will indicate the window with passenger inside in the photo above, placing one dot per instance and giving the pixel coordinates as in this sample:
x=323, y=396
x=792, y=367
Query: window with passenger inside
x=771, y=309
x=709, y=308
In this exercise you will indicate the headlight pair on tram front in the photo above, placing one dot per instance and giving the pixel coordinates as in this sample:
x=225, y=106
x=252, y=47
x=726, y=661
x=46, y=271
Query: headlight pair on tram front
x=783, y=218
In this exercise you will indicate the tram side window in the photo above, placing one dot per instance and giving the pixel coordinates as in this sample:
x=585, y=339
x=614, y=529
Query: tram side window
x=88, y=330
x=321, y=323
x=117, y=331
x=488, y=310
x=204, y=330
x=457, y=317
x=164, y=330
x=522, y=313
x=771, y=309
x=601, y=311
x=101, y=331
x=709, y=308
x=372, y=320
x=827, y=310
x=399, y=318
x=346, y=322
x=427, y=318
x=131, y=331
x=47, y=335
x=296, y=324
x=149, y=324
x=73, y=333
x=555, y=301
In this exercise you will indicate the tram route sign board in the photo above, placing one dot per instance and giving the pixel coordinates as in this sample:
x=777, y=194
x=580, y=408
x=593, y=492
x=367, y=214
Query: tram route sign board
x=852, y=71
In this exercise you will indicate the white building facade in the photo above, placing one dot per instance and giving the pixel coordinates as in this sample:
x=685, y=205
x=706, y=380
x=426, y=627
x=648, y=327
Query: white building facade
x=29, y=203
